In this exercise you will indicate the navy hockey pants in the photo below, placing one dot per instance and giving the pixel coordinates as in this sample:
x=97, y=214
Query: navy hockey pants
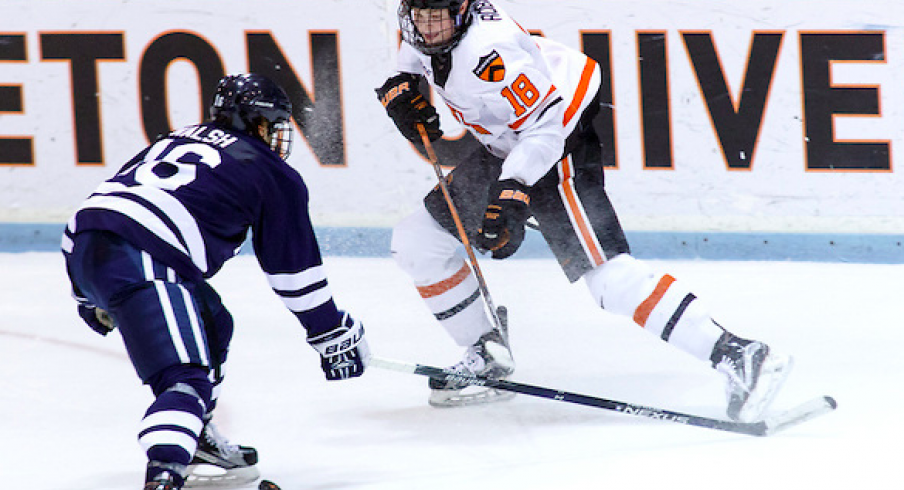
x=164, y=320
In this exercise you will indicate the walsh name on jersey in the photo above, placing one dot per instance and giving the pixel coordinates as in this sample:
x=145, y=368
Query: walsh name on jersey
x=206, y=134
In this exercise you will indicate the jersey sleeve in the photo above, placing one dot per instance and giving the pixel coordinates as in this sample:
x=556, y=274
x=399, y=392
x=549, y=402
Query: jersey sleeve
x=408, y=60
x=288, y=252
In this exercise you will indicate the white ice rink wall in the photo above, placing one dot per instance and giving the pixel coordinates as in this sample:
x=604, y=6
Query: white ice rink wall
x=761, y=128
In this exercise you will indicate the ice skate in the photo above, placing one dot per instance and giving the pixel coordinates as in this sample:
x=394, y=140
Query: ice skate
x=754, y=373
x=162, y=483
x=217, y=463
x=163, y=476
x=490, y=357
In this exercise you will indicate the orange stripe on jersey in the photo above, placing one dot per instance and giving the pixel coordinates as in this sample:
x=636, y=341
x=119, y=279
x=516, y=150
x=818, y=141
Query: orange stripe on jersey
x=579, y=94
x=480, y=129
x=642, y=313
x=445, y=285
x=517, y=124
x=460, y=118
x=573, y=207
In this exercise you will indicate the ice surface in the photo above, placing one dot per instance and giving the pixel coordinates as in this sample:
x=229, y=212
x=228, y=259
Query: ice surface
x=70, y=402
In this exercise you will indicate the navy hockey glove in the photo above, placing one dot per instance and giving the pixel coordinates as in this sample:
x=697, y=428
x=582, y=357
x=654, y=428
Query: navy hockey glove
x=343, y=350
x=408, y=107
x=502, y=230
x=99, y=320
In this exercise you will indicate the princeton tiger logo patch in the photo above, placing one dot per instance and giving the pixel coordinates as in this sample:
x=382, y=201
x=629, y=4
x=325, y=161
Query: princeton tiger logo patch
x=491, y=68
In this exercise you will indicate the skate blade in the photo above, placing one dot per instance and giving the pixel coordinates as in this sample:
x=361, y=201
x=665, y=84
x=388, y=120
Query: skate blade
x=209, y=476
x=463, y=398
x=773, y=375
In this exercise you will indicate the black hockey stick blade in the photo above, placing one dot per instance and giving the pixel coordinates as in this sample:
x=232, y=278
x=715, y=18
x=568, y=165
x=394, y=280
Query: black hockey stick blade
x=790, y=418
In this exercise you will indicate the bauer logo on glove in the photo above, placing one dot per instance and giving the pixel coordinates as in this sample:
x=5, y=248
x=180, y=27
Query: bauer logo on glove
x=502, y=230
x=394, y=91
x=343, y=350
x=408, y=107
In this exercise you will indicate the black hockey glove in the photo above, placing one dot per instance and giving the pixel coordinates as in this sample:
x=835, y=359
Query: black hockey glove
x=502, y=230
x=96, y=318
x=408, y=107
x=343, y=350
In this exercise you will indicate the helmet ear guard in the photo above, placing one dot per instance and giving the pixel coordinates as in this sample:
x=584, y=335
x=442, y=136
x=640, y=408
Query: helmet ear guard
x=248, y=102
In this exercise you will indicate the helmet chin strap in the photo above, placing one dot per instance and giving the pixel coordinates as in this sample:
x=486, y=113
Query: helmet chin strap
x=458, y=17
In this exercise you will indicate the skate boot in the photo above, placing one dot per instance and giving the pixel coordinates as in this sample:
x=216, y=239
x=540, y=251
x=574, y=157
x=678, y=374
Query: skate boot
x=218, y=463
x=163, y=476
x=754, y=373
x=490, y=357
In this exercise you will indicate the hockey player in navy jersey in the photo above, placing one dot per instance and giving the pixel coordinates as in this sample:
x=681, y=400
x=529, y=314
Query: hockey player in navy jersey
x=530, y=102
x=140, y=248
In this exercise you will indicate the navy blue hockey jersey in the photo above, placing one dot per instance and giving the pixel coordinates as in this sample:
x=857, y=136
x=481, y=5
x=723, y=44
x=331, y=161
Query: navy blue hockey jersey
x=190, y=199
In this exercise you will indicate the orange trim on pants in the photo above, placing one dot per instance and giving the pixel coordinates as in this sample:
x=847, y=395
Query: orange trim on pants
x=573, y=207
x=642, y=313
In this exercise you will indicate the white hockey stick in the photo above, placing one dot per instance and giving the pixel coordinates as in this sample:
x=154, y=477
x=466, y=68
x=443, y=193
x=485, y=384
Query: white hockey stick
x=768, y=426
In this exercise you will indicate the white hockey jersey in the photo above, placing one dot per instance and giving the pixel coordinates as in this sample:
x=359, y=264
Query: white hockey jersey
x=519, y=95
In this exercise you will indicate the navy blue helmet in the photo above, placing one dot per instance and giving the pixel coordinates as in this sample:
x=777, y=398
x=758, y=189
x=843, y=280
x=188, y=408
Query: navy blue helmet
x=256, y=105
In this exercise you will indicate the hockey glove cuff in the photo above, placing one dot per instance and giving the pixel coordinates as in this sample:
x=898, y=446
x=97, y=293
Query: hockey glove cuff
x=343, y=350
x=502, y=230
x=98, y=319
x=408, y=107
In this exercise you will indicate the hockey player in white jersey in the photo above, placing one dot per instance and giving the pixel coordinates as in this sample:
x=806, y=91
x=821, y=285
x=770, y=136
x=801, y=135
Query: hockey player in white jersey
x=530, y=102
x=140, y=248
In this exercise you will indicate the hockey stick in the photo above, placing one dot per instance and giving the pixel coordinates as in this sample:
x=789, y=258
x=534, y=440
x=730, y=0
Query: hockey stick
x=768, y=426
x=462, y=234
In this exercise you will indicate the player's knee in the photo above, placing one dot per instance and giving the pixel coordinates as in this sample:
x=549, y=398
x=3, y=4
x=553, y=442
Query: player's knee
x=404, y=247
x=621, y=284
x=422, y=248
x=189, y=379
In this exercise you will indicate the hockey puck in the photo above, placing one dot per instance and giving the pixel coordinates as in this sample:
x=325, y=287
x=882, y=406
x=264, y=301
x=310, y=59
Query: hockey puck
x=268, y=485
